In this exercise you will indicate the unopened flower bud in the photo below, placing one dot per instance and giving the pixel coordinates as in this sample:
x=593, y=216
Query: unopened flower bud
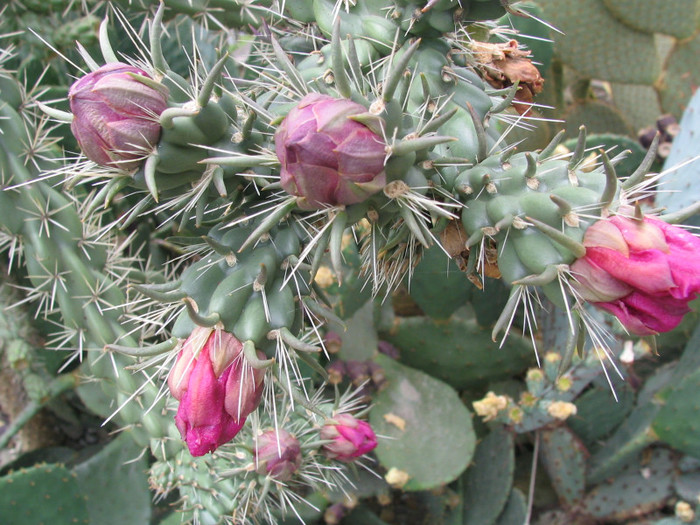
x=349, y=438
x=209, y=372
x=490, y=406
x=278, y=454
x=327, y=158
x=561, y=410
x=115, y=114
x=644, y=271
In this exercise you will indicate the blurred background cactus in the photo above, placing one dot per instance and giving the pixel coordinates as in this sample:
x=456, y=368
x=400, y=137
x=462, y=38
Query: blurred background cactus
x=351, y=262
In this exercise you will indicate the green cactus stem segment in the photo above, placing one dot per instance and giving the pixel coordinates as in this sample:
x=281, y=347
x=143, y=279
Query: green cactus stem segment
x=550, y=273
x=242, y=161
x=578, y=249
x=148, y=351
x=681, y=215
x=580, y=149
x=482, y=142
x=251, y=356
x=419, y=143
x=278, y=214
x=61, y=116
x=206, y=321
x=293, y=341
x=105, y=46
x=210, y=81
x=575, y=339
x=150, y=168
x=291, y=72
x=395, y=72
x=323, y=312
x=155, y=34
x=436, y=123
x=340, y=222
x=644, y=166
x=506, y=318
x=507, y=101
x=610, y=182
x=225, y=251
x=170, y=296
x=168, y=116
x=549, y=149
x=342, y=82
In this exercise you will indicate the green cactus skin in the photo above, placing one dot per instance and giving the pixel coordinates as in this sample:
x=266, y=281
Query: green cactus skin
x=564, y=459
x=24, y=491
x=488, y=480
x=634, y=491
x=466, y=357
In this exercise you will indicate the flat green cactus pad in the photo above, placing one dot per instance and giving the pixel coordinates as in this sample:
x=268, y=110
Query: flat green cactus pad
x=487, y=482
x=600, y=46
x=458, y=351
x=44, y=494
x=640, y=488
x=681, y=76
x=638, y=104
x=564, y=458
x=678, y=18
x=428, y=435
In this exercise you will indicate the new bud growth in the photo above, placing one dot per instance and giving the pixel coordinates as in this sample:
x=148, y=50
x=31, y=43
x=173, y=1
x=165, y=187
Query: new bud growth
x=644, y=271
x=327, y=158
x=216, y=387
x=278, y=454
x=350, y=438
x=115, y=114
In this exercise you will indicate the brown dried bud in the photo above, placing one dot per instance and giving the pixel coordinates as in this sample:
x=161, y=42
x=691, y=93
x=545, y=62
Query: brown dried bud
x=502, y=65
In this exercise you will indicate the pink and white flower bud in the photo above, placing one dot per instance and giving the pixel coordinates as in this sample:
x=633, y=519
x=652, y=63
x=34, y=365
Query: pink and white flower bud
x=115, y=114
x=327, y=157
x=350, y=438
x=643, y=271
x=278, y=454
x=207, y=373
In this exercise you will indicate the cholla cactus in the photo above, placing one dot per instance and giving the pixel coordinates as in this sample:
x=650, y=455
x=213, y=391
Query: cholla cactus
x=393, y=138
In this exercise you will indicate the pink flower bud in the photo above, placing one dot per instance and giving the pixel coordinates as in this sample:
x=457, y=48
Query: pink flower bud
x=327, y=157
x=208, y=372
x=278, y=454
x=643, y=271
x=350, y=438
x=115, y=114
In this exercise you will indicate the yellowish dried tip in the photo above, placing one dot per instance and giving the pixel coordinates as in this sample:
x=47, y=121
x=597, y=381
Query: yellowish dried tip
x=564, y=384
x=515, y=415
x=527, y=399
x=397, y=478
x=561, y=410
x=535, y=374
x=324, y=277
x=552, y=357
x=490, y=406
x=684, y=512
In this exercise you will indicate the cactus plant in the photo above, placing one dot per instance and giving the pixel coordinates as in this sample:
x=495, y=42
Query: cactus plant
x=315, y=183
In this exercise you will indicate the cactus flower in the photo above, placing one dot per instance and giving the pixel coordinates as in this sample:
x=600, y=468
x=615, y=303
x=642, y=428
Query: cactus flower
x=327, y=158
x=115, y=114
x=644, y=271
x=349, y=438
x=216, y=388
x=278, y=454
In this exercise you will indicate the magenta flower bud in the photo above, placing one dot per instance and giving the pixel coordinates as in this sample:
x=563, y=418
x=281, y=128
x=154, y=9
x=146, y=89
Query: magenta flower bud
x=643, y=271
x=115, y=114
x=349, y=438
x=201, y=380
x=327, y=158
x=278, y=454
